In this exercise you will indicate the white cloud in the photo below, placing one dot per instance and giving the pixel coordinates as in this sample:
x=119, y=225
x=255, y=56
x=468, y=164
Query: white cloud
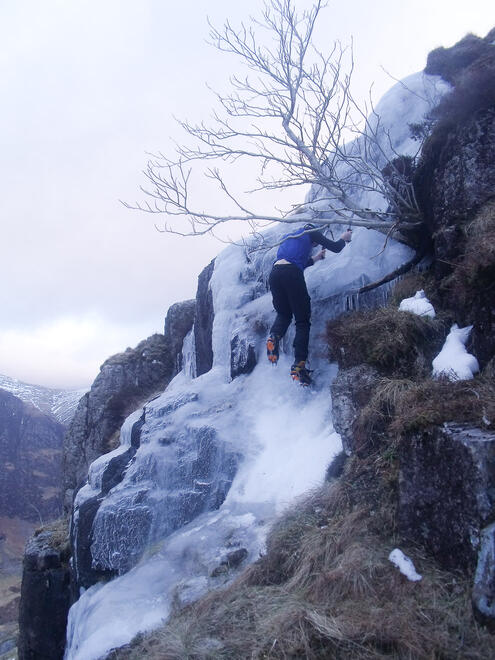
x=65, y=352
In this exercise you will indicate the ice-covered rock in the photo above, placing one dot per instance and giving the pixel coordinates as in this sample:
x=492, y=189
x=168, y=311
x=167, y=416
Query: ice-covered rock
x=484, y=579
x=454, y=361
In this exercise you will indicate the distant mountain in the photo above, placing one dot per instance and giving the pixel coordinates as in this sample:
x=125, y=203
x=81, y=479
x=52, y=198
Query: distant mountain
x=61, y=404
x=30, y=460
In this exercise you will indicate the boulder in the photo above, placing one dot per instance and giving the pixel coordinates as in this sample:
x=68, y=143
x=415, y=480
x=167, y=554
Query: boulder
x=447, y=491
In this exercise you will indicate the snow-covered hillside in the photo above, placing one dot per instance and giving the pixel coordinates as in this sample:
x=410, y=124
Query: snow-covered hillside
x=213, y=460
x=61, y=404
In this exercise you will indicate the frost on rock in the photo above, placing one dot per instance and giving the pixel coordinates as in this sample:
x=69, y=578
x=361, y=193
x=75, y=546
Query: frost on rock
x=418, y=304
x=404, y=564
x=454, y=361
x=223, y=451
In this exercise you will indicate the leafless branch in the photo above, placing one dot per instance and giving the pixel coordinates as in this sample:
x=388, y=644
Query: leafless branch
x=293, y=115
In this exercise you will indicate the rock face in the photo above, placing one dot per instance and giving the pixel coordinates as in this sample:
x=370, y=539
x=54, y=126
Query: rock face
x=124, y=383
x=351, y=390
x=447, y=503
x=461, y=178
x=31, y=460
x=447, y=491
x=45, y=597
x=178, y=322
x=455, y=185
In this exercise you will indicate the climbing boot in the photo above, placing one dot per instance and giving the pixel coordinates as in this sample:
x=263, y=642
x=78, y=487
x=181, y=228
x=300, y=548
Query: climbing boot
x=300, y=374
x=272, y=344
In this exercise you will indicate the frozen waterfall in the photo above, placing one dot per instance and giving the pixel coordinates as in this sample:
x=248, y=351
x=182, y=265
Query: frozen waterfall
x=203, y=469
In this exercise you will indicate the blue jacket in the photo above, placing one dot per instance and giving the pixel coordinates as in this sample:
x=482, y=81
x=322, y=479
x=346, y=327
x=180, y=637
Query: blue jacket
x=297, y=246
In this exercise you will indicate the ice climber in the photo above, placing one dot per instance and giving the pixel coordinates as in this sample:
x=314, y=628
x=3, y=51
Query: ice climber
x=290, y=294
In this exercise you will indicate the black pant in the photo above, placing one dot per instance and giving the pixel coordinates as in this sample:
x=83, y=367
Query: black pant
x=291, y=298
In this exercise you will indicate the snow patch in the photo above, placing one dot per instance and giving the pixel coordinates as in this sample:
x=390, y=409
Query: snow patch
x=404, y=564
x=418, y=304
x=454, y=361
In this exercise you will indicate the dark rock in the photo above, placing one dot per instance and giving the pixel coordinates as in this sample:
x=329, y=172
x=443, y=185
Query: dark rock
x=45, y=598
x=236, y=557
x=447, y=491
x=451, y=62
x=461, y=171
x=203, y=321
x=115, y=469
x=178, y=322
x=455, y=183
x=136, y=431
x=233, y=560
x=31, y=460
x=221, y=569
x=351, y=391
x=336, y=467
x=81, y=540
x=242, y=356
x=484, y=580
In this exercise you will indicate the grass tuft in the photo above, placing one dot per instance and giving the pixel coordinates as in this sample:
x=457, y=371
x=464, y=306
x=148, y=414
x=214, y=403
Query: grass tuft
x=394, y=342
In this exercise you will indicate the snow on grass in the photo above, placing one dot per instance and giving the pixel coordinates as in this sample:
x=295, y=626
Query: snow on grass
x=404, y=564
x=418, y=304
x=454, y=361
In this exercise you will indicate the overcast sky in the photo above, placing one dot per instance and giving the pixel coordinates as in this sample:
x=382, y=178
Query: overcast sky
x=87, y=88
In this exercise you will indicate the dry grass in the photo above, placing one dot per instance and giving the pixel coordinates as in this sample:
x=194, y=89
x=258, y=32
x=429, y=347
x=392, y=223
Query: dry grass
x=59, y=534
x=394, y=342
x=341, y=597
x=399, y=406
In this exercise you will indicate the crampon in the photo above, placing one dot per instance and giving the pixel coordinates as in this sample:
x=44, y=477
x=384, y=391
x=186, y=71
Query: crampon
x=272, y=350
x=300, y=374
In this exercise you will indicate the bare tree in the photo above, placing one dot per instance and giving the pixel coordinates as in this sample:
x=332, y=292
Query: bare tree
x=295, y=115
